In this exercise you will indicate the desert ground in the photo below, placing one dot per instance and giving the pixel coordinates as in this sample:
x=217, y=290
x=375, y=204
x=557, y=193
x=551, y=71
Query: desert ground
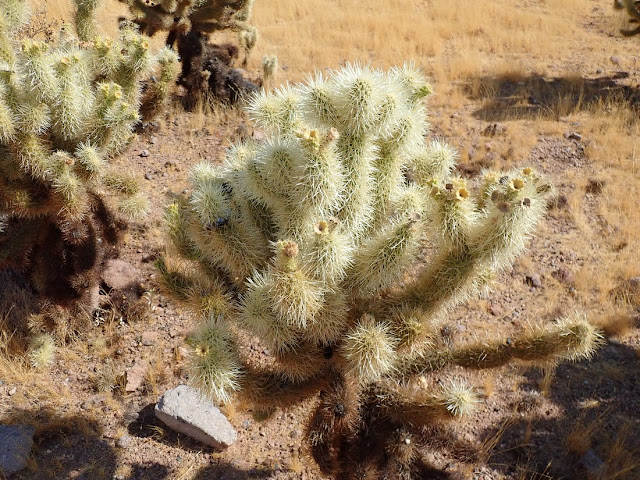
x=550, y=84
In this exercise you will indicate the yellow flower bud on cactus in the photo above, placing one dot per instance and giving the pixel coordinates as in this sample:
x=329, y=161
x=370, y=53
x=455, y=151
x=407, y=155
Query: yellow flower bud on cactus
x=517, y=184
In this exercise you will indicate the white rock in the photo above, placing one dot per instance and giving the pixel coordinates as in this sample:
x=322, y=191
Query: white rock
x=185, y=410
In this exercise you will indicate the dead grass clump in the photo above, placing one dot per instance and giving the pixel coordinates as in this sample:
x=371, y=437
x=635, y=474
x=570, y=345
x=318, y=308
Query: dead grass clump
x=617, y=324
x=622, y=458
x=108, y=378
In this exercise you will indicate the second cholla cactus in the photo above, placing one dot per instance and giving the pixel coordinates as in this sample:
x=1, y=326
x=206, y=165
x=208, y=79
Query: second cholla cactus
x=66, y=108
x=306, y=242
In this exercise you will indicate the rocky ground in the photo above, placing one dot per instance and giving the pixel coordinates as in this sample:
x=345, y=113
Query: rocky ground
x=93, y=413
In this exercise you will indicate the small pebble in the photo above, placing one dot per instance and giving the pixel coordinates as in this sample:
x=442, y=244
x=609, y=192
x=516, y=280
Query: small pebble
x=144, y=153
x=124, y=441
x=13, y=391
x=533, y=280
x=573, y=136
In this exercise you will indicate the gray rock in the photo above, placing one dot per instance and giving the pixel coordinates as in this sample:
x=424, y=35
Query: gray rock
x=593, y=464
x=573, y=136
x=136, y=375
x=495, y=309
x=15, y=445
x=185, y=410
x=149, y=338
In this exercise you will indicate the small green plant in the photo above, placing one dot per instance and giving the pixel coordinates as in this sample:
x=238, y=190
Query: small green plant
x=341, y=243
x=66, y=108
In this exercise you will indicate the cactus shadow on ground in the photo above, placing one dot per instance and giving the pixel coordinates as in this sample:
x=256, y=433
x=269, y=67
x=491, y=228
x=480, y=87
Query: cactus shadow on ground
x=72, y=446
x=228, y=472
x=589, y=415
x=514, y=96
x=63, y=444
x=147, y=425
x=18, y=300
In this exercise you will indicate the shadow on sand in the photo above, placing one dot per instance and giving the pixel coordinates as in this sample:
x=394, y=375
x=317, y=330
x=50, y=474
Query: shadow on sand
x=596, y=433
x=509, y=97
x=72, y=447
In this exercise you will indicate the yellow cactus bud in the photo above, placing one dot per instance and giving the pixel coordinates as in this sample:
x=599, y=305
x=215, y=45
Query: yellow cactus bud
x=462, y=193
x=517, y=184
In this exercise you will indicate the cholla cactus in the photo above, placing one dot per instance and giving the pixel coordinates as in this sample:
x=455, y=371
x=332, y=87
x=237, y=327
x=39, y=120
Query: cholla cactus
x=207, y=70
x=634, y=13
x=314, y=241
x=65, y=109
x=182, y=16
x=269, y=67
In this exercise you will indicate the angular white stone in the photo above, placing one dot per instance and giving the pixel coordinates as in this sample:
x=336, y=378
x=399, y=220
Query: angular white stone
x=185, y=410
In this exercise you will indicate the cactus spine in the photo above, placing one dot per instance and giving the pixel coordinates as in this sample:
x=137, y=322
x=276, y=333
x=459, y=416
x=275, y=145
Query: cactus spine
x=313, y=232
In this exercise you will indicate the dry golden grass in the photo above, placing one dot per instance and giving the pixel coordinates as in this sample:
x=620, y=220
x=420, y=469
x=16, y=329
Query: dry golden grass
x=580, y=437
x=13, y=366
x=616, y=324
x=451, y=40
x=62, y=11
